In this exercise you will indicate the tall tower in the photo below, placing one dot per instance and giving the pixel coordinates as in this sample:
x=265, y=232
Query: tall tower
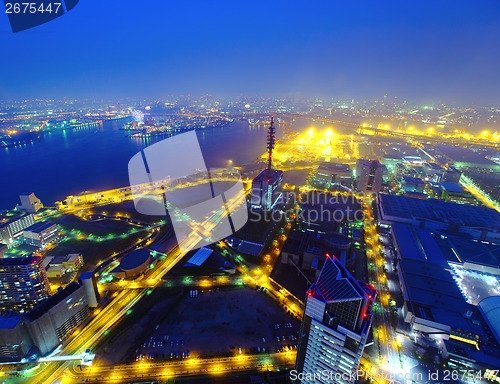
x=265, y=192
x=335, y=325
x=271, y=140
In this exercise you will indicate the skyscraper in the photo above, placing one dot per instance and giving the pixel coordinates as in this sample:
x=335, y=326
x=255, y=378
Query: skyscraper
x=331, y=174
x=335, y=327
x=23, y=283
x=369, y=175
x=265, y=187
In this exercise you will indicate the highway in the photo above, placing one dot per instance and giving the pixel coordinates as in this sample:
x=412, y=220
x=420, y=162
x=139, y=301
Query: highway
x=478, y=193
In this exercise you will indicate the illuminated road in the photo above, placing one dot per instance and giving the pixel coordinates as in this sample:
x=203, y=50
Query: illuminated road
x=478, y=193
x=383, y=330
x=199, y=281
x=184, y=367
x=84, y=339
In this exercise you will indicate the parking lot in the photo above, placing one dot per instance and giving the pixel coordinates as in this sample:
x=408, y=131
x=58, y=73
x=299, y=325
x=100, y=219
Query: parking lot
x=221, y=322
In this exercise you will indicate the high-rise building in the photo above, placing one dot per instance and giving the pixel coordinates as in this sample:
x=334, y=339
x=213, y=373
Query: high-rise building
x=30, y=203
x=331, y=174
x=23, y=283
x=369, y=175
x=13, y=229
x=265, y=192
x=335, y=327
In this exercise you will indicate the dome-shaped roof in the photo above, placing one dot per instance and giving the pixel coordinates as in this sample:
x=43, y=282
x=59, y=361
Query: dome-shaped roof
x=135, y=259
x=490, y=307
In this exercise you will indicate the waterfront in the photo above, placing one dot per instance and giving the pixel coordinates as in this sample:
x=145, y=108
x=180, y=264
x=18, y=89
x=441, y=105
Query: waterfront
x=72, y=161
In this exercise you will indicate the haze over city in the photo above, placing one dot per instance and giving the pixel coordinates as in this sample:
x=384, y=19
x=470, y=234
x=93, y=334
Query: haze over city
x=243, y=193
x=427, y=51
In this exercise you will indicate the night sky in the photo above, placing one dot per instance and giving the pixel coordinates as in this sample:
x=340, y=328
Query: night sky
x=420, y=50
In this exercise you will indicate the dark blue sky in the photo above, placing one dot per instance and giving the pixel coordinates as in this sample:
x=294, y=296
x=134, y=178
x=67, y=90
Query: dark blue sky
x=421, y=50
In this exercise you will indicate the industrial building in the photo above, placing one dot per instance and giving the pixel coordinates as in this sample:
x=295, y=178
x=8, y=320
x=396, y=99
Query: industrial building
x=477, y=222
x=454, y=192
x=433, y=303
x=44, y=327
x=412, y=184
x=464, y=158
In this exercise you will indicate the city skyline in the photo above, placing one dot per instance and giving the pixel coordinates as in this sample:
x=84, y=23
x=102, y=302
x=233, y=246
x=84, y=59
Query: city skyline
x=274, y=193
x=428, y=52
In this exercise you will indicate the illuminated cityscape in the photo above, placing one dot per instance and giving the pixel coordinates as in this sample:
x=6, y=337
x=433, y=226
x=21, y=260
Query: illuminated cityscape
x=190, y=196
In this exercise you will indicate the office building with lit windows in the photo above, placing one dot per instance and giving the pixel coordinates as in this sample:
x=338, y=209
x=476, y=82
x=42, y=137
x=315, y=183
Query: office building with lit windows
x=369, y=175
x=40, y=234
x=23, y=283
x=12, y=230
x=329, y=175
x=265, y=189
x=335, y=327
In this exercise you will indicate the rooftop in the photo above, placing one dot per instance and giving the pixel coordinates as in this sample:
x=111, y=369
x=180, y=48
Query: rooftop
x=458, y=250
x=335, y=167
x=86, y=275
x=135, y=258
x=200, y=256
x=451, y=187
x=463, y=155
x=490, y=308
x=407, y=208
x=429, y=287
x=18, y=261
x=336, y=284
x=52, y=301
x=412, y=180
x=39, y=227
x=9, y=320
x=271, y=175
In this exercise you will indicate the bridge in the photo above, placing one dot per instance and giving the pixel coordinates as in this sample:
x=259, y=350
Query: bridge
x=367, y=129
